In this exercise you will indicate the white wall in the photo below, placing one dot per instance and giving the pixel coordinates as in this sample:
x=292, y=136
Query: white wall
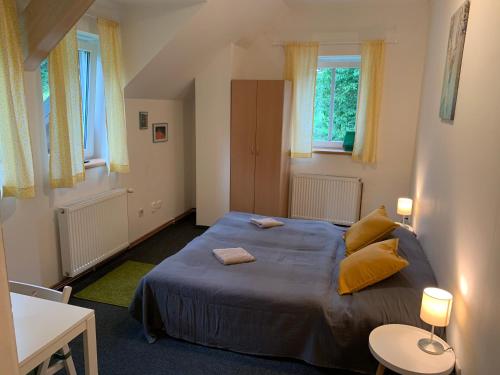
x=157, y=169
x=405, y=24
x=213, y=102
x=457, y=179
x=157, y=173
x=30, y=234
x=163, y=171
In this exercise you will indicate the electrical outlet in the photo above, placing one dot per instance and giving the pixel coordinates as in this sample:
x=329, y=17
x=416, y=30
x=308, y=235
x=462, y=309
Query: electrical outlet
x=156, y=205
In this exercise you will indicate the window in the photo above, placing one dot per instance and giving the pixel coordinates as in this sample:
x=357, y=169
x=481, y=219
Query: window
x=336, y=100
x=88, y=55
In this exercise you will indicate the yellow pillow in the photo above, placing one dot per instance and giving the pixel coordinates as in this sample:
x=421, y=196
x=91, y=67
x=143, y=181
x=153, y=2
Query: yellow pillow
x=370, y=265
x=369, y=229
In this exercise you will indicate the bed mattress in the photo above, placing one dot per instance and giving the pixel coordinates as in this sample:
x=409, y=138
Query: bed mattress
x=285, y=304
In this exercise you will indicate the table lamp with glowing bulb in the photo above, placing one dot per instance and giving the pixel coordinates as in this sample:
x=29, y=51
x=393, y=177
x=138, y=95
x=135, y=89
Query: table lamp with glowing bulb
x=436, y=311
x=405, y=206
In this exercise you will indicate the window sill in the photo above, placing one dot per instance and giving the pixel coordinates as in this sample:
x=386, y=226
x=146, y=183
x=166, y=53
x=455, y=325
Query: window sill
x=331, y=151
x=94, y=163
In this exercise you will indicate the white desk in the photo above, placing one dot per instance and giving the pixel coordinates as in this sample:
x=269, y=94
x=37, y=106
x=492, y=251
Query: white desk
x=43, y=327
x=395, y=347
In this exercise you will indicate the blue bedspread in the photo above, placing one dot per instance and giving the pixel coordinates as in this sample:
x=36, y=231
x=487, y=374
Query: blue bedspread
x=284, y=304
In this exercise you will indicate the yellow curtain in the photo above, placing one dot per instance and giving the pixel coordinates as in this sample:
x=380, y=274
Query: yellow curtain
x=301, y=63
x=65, y=123
x=370, y=97
x=111, y=57
x=15, y=145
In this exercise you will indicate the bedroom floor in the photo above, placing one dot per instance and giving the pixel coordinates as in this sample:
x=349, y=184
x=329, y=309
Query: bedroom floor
x=123, y=350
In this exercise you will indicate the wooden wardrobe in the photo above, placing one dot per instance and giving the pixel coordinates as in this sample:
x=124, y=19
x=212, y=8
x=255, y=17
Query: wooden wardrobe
x=260, y=146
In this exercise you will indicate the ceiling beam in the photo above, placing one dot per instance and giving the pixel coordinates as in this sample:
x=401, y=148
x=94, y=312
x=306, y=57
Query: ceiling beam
x=45, y=23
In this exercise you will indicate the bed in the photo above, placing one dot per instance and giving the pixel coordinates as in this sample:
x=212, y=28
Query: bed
x=285, y=304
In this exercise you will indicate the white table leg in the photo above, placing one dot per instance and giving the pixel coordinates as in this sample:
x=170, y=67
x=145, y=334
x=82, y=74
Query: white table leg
x=90, y=347
x=380, y=369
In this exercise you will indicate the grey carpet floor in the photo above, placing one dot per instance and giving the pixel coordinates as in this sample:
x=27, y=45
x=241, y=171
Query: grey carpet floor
x=123, y=350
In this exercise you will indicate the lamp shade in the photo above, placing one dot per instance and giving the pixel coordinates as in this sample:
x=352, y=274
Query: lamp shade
x=404, y=206
x=436, y=307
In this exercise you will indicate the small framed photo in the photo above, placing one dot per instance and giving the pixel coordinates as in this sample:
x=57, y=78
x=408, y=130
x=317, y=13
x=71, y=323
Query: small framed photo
x=160, y=132
x=143, y=120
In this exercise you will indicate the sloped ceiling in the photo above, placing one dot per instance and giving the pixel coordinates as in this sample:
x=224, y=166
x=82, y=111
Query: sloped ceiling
x=146, y=26
x=147, y=29
x=210, y=27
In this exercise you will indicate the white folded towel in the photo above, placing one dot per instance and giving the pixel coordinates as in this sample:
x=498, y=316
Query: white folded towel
x=233, y=255
x=266, y=222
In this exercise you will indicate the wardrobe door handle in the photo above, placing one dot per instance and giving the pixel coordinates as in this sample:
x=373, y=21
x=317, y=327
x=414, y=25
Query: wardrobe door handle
x=252, y=150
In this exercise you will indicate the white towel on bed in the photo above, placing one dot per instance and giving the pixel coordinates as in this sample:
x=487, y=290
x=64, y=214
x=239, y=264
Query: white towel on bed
x=234, y=255
x=266, y=222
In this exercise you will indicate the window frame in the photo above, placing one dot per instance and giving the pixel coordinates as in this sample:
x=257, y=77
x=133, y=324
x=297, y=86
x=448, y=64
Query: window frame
x=87, y=42
x=90, y=42
x=334, y=62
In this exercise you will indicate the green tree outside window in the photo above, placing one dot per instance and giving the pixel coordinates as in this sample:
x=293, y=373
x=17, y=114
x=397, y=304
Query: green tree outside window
x=345, y=99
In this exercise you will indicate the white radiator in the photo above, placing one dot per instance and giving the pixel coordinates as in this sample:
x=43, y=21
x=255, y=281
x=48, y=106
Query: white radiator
x=329, y=198
x=92, y=230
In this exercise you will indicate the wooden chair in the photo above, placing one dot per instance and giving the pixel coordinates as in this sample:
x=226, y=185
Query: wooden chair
x=63, y=356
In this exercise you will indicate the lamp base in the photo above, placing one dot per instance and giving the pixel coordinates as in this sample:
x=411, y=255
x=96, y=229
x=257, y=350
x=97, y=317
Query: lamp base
x=430, y=346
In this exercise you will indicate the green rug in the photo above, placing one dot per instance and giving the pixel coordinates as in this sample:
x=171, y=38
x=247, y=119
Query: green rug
x=118, y=286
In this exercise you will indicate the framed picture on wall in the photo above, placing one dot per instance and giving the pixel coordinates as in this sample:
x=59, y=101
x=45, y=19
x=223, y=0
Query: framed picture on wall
x=143, y=120
x=453, y=65
x=160, y=132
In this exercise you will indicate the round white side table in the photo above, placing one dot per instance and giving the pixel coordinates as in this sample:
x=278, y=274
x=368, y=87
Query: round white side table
x=395, y=347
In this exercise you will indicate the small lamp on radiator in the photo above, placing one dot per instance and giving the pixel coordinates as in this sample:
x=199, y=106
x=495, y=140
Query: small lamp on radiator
x=405, y=206
x=436, y=311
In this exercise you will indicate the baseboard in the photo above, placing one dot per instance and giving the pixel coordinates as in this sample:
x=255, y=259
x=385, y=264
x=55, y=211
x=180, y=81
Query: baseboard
x=161, y=227
x=68, y=280
x=185, y=214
